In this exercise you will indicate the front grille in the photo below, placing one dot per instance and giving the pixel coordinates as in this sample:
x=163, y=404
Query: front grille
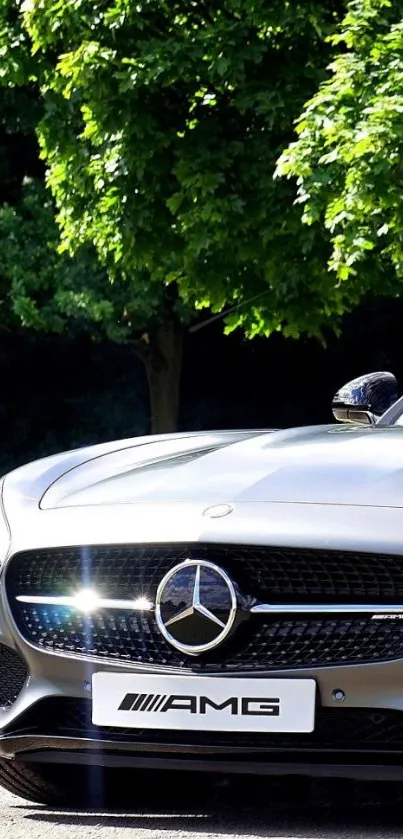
x=13, y=673
x=274, y=644
x=272, y=575
x=341, y=729
x=263, y=642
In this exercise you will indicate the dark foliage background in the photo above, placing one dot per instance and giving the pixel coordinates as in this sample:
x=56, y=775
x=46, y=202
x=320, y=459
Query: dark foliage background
x=58, y=393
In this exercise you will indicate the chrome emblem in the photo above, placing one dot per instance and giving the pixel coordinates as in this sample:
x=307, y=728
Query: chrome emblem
x=196, y=606
x=218, y=511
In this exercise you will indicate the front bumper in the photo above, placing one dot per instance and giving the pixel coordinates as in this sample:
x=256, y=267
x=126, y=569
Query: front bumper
x=361, y=737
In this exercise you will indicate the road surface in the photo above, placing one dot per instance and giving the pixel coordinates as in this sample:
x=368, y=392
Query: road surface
x=193, y=810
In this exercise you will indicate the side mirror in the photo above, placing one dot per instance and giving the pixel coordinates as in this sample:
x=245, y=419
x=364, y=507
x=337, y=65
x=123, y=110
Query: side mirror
x=363, y=400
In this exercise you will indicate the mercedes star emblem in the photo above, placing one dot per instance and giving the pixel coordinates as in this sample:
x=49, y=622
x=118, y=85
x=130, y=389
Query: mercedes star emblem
x=196, y=606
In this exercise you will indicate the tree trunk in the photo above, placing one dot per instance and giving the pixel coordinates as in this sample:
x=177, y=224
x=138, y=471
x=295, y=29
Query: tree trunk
x=163, y=362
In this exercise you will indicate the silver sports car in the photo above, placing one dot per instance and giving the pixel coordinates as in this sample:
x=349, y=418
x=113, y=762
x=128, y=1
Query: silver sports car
x=226, y=602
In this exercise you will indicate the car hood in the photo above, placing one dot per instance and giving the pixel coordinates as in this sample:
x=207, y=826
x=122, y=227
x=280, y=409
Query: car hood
x=320, y=485
x=341, y=465
x=331, y=465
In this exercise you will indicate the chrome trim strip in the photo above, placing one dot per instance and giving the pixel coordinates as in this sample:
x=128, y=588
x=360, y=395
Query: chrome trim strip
x=138, y=605
x=326, y=608
x=141, y=604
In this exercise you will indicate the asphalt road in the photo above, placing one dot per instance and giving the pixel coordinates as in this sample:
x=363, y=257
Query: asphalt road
x=185, y=810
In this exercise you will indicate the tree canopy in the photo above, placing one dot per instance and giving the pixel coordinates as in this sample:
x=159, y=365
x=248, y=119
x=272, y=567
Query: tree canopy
x=348, y=157
x=160, y=124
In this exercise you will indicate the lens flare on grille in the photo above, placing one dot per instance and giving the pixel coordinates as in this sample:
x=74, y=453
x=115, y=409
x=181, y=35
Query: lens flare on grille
x=142, y=604
x=86, y=600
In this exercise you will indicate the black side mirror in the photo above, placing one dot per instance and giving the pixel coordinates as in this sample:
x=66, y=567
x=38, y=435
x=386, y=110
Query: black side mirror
x=364, y=400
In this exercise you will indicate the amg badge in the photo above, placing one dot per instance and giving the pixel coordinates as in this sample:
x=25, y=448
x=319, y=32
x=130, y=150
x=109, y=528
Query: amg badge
x=245, y=706
x=203, y=703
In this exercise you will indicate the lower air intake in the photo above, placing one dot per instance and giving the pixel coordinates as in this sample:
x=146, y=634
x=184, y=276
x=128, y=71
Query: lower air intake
x=13, y=674
x=342, y=730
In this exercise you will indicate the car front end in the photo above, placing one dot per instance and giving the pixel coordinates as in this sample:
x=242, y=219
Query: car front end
x=222, y=633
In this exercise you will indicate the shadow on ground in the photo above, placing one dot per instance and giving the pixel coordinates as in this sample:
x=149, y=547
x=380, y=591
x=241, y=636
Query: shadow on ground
x=296, y=809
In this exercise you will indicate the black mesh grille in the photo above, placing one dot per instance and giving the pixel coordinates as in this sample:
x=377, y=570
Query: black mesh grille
x=341, y=729
x=277, y=644
x=274, y=575
x=13, y=674
x=261, y=643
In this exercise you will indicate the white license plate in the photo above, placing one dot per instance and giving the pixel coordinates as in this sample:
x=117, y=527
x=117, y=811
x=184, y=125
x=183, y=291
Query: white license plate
x=203, y=703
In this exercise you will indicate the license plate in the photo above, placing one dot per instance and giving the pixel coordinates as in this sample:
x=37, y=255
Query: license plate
x=203, y=703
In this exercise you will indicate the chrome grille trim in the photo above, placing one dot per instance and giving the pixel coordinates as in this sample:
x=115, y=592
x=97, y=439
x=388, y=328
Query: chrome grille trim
x=327, y=609
x=261, y=608
x=138, y=605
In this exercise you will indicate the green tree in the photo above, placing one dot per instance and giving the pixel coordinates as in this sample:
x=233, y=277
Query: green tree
x=161, y=126
x=348, y=157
